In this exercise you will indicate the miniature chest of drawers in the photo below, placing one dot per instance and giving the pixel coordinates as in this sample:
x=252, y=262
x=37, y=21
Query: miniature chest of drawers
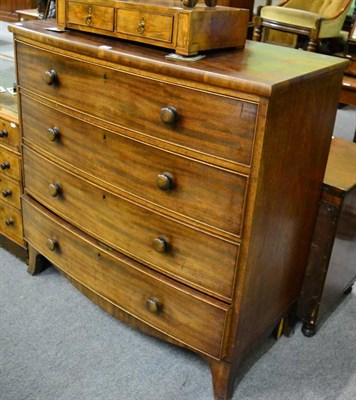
x=10, y=171
x=178, y=196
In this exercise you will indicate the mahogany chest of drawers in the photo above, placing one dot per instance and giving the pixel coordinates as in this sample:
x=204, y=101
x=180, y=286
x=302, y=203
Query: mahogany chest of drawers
x=178, y=196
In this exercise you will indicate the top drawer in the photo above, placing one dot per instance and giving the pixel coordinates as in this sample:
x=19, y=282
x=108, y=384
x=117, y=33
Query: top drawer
x=161, y=110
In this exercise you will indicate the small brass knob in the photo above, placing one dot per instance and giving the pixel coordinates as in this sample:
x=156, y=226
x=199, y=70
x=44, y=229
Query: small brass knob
x=51, y=77
x=161, y=244
x=53, y=134
x=5, y=165
x=54, y=189
x=165, y=181
x=4, y=133
x=52, y=244
x=7, y=192
x=168, y=115
x=9, y=222
x=153, y=305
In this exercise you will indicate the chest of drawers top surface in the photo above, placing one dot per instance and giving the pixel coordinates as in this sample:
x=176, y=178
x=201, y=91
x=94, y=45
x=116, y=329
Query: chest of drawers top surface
x=258, y=69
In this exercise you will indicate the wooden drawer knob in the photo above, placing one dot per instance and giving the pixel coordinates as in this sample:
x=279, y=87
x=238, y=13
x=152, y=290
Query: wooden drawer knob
x=211, y=3
x=5, y=165
x=161, y=244
x=168, y=115
x=54, y=189
x=53, y=134
x=165, y=181
x=153, y=305
x=51, y=77
x=4, y=133
x=7, y=192
x=9, y=222
x=52, y=244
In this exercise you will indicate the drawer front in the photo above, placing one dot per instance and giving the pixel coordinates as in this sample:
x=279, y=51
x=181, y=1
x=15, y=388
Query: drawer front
x=91, y=16
x=145, y=24
x=9, y=133
x=137, y=103
x=188, y=255
x=180, y=312
x=11, y=222
x=10, y=191
x=10, y=164
x=198, y=191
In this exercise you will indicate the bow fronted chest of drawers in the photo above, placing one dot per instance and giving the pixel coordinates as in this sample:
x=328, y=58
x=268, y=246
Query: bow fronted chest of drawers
x=178, y=196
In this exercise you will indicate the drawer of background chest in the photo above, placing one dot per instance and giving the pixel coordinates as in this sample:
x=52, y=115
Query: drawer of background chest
x=198, y=259
x=182, y=313
x=10, y=191
x=10, y=164
x=203, y=122
x=209, y=195
x=11, y=222
x=9, y=133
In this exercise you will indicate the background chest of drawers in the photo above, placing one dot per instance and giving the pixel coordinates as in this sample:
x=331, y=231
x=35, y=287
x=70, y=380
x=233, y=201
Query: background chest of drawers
x=10, y=172
x=177, y=196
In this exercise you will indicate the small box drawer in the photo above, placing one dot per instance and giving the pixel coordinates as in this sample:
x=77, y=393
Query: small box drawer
x=10, y=164
x=90, y=15
x=134, y=168
x=10, y=191
x=184, y=314
x=154, y=26
x=203, y=122
x=11, y=222
x=198, y=259
x=9, y=133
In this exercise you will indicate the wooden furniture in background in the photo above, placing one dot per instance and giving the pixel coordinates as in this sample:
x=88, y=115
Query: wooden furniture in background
x=348, y=91
x=8, y=8
x=10, y=174
x=176, y=195
x=331, y=266
x=28, y=15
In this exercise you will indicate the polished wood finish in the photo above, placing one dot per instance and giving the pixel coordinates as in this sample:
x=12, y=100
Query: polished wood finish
x=187, y=28
x=10, y=173
x=331, y=265
x=8, y=8
x=196, y=231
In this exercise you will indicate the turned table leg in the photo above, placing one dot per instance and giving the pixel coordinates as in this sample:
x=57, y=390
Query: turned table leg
x=36, y=262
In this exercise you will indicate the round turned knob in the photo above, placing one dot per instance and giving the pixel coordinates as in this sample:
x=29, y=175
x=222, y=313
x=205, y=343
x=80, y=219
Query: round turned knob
x=54, y=189
x=9, y=222
x=211, y=3
x=168, y=115
x=52, y=244
x=50, y=77
x=7, y=192
x=153, y=305
x=53, y=134
x=161, y=244
x=5, y=165
x=4, y=133
x=165, y=181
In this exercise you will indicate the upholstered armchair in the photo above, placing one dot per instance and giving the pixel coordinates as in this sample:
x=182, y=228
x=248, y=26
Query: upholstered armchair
x=317, y=19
